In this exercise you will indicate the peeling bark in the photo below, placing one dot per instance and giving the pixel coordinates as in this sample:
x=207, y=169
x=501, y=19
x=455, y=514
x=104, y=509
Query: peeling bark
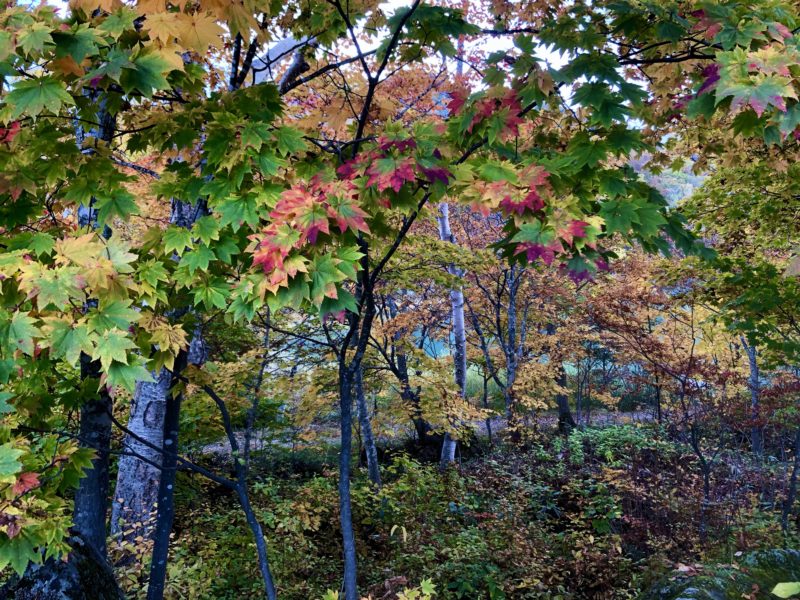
x=133, y=507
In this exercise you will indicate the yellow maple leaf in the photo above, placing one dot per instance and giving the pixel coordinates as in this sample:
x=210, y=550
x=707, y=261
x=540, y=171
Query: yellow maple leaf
x=240, y=20
x=199, y=32
x=163, y=26
x=149, y=7
x=82, y=250
x=89, y=6
x=171, y=53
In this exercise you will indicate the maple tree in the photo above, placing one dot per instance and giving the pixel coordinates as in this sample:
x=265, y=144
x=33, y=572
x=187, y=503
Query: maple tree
x=312, y=186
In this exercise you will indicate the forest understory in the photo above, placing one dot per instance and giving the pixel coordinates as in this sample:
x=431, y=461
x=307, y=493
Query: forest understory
x=611, y=510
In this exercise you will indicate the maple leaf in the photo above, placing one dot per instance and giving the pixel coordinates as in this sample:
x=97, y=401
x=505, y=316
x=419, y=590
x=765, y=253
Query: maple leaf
x=576, y=229
x=531, y=202
x=706, y=24
x=199, y=32
x=391, y=173
x=7, y=134
x=25, y=482
x=162, y=26
x=711, y=75
x=348, y=214
x=32, y=96
x=312, y=222
x=112, y=347
x=349, y=168
x=434, y=174
x=457, y=100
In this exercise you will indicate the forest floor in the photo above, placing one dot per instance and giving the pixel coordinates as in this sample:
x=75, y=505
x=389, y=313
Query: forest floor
x=604, y=513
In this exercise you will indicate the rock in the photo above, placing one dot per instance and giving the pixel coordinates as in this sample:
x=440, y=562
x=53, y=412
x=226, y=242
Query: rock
x=83, y=576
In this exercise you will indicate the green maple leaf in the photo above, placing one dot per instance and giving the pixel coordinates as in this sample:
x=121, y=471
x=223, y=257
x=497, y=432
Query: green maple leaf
x=198, y=259
x=35, y=38
x=235, y=211
x=78, y=44
x=790, y=120
x=426, y=587
x=114, y=314
x=177, y=239
x=254, y=135
x=349, y=257
x=769, y=90
x=586, y=152
x=649, y=218
x=126, y=375
x=69, y=342
x=325, y=274
x=225, y=250
x=619, y=215
x=289, y=140
x=212, y=294
x=57, y=287
x=147, y=74
x=21, y=332
x=118, y=22
x=493, y=170
x=207, y=229
x=343, y=301
x=120, y=204
x=244, y=309
x=269, y=164
x=153, y=272
x=18, y=552
x=9, y=461
x=112, y=346
x=292, y=296
x=535, y=233
x=41, y=243
x=115, y=61
x=31, y=96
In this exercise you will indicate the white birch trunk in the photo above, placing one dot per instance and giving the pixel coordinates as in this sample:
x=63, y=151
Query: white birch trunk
x=459, y=343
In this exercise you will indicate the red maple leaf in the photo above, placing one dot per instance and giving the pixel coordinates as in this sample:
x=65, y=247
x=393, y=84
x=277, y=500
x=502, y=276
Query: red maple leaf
x=434, y=174
x=25, y=482
x=576, y=229
x=347, y=214
x=531, y=202
x=7, y=134
x=457, y=100
x=391, y=173
x=534, y=251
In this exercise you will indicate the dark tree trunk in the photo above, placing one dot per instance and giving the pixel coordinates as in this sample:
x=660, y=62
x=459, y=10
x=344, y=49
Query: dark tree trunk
x=565, y=421
x=705, y=469
x=166, y=488
x=486, y=406
x=91, y=497
x=754, y=385
x=791, y=492
x=85, y=576
x=658, y=400
x=346, y=380
x=367, y=437
x=409, y=396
